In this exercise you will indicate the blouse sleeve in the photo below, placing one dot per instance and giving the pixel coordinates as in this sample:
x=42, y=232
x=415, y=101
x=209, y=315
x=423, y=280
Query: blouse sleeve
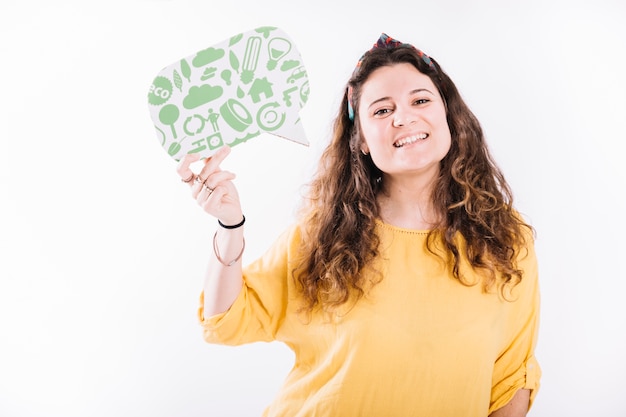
x=517, y=368
x=260, y=307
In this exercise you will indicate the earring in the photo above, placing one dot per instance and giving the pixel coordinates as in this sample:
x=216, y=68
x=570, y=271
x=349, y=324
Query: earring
x=364, y=153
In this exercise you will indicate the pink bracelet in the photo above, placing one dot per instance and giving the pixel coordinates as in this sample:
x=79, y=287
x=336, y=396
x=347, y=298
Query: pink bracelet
x=217, y=252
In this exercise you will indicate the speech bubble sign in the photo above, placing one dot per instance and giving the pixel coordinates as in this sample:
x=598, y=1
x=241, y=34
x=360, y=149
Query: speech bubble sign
x=252, y=83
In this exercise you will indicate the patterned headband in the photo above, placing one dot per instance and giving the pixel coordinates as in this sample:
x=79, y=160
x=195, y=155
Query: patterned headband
x=385, y=42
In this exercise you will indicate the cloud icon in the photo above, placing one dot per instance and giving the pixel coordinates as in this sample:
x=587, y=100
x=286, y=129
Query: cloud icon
x=206, y=56
x=199, y=95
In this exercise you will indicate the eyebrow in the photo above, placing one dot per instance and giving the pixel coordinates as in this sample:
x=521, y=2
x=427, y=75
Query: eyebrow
x=417, y=90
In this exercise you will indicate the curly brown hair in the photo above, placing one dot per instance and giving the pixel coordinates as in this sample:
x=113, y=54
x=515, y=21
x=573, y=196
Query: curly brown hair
x=470, y=196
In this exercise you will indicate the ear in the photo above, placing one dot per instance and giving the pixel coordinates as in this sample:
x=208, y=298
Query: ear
x=365, y=150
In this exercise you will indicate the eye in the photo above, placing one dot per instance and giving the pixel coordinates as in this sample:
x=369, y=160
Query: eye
x=421, y=101
x=382, y=112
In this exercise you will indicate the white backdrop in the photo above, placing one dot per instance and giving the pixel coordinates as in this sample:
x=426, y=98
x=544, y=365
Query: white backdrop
x=102, y=251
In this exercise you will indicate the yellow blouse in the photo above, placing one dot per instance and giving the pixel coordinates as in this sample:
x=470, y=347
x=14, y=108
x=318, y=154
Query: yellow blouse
x=419, y=343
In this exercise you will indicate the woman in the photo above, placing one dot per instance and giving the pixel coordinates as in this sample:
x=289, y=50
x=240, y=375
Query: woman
x=409, y=285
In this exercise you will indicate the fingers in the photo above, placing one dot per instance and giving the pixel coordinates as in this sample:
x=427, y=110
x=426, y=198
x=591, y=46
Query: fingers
x=212, y=164
x=183, y=169
x=203, y=194
x=212, y=188
x=220, y=203
x=201, y=190
x=214, y=199
x=217, y=178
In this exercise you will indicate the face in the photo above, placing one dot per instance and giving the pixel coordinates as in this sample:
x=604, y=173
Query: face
x=403, y=122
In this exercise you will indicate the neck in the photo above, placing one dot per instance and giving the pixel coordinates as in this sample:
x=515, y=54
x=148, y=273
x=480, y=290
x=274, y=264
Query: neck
x=407, y=203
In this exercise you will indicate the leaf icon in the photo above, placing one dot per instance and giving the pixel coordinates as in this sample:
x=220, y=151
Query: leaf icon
x=234, y=61
x=235, y=39
x=178, y=82
x=174, y=148
x=185, y=69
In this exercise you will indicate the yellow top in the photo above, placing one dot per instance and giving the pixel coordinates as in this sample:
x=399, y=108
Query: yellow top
x=419, y=343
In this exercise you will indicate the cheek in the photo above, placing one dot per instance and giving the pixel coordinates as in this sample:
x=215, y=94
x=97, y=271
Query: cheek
x=370, y=133
x=446, y=138
x=445, y=130
x=448, y=145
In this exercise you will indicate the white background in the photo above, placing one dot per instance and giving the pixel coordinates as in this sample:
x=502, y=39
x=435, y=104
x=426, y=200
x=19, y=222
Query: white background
x=102, y=251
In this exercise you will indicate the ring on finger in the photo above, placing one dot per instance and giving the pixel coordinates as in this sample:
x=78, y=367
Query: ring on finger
x=188, y=180
x=199, y=180
x=209, y=189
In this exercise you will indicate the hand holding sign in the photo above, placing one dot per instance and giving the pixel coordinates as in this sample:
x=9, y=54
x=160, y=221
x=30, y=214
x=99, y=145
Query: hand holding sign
x=253, y=83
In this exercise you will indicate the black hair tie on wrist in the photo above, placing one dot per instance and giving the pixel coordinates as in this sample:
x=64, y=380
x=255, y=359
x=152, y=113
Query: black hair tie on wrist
x=234, y=226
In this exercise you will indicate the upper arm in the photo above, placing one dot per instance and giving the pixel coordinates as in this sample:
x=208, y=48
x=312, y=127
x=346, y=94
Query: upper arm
x=517, y=407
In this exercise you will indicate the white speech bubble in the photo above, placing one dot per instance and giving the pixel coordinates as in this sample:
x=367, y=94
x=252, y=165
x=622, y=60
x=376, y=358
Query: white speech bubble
x=252, y=83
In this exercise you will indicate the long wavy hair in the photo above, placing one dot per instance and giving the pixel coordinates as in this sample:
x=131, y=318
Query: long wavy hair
x=470, y=197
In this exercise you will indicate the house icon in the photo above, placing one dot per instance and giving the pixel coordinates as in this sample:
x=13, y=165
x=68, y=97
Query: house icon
x=260, y=86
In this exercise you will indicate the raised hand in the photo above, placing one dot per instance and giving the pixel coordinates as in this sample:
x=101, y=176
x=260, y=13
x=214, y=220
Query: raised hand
x=213, y=188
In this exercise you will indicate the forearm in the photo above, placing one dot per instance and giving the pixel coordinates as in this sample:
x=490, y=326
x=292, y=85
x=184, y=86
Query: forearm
x=223, y=283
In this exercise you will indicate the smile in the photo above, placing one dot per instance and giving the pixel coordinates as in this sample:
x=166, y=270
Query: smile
x=410, y=139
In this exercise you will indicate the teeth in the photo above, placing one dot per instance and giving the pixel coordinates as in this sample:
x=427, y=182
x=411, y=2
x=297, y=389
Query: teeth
x=410, y=139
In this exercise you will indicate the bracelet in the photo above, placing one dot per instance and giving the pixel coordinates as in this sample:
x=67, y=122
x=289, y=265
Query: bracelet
x=217, y=252
x=234, y=226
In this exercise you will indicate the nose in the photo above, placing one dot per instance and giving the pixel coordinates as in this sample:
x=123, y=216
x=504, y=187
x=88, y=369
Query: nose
x=403, y=117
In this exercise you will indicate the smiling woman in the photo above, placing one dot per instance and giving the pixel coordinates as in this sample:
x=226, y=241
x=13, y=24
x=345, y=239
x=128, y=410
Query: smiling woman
x=409, y=284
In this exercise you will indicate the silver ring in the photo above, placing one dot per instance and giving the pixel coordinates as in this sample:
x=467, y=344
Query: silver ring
x=199, y=180
x=209, y=189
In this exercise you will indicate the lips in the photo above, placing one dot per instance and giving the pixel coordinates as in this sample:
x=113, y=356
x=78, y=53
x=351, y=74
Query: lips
x=407, y=140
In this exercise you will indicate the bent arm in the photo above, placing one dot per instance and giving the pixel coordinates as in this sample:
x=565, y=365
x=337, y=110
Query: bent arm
x=215, y=193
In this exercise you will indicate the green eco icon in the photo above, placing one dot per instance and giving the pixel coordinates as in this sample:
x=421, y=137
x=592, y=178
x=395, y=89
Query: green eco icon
x=252, y=83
